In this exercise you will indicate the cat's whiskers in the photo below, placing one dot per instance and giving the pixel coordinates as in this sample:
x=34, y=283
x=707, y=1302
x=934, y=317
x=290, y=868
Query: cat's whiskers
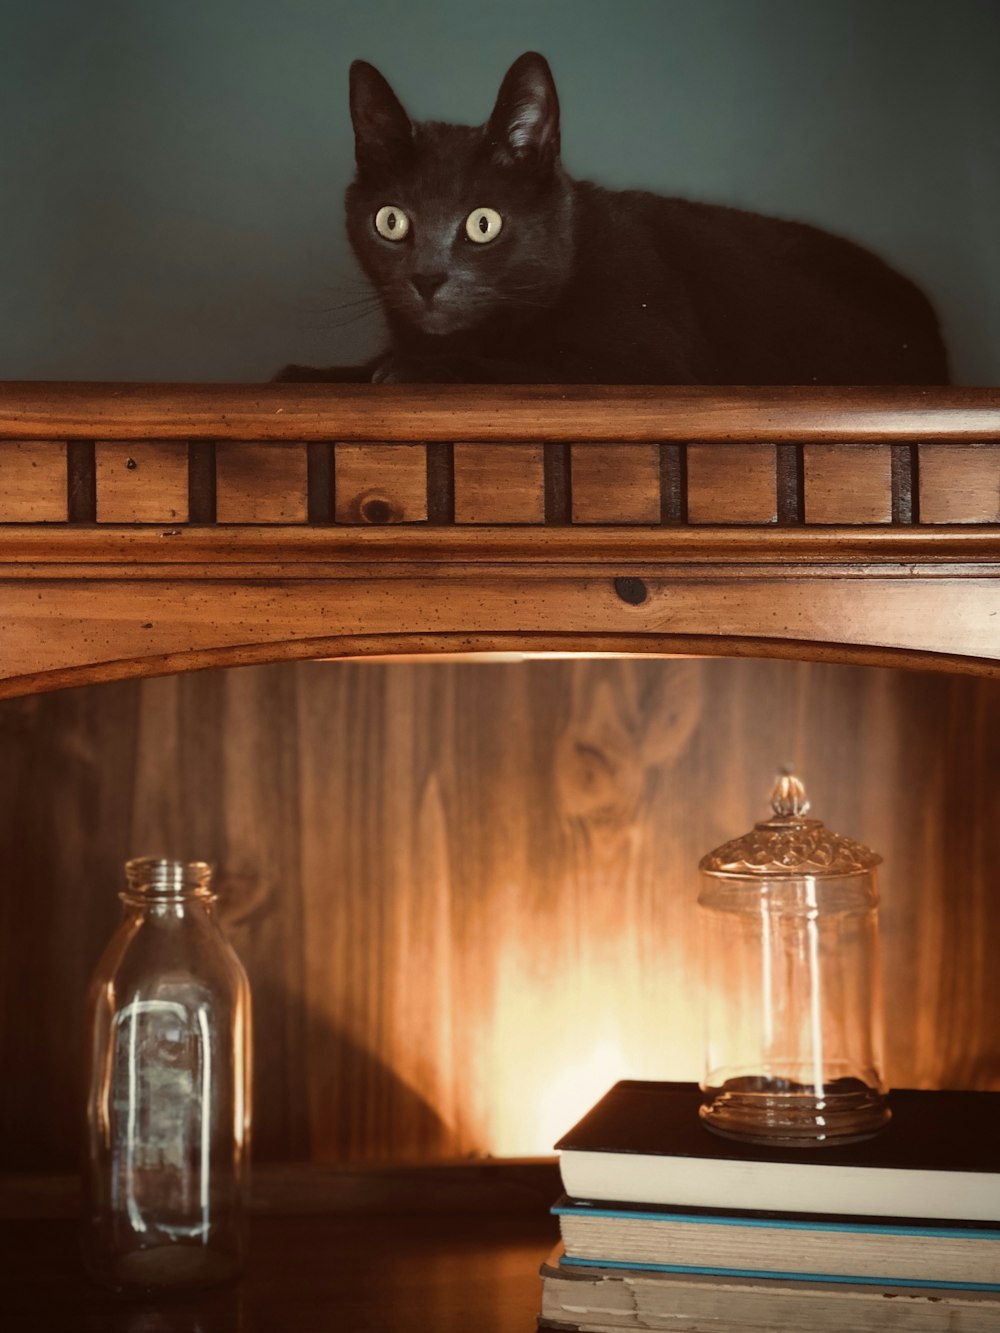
x=342, y=314
x=348, y=320
x=370, y=301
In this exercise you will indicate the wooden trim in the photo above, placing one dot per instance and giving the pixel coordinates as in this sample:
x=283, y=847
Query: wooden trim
x=861, y=547
x=261, y=483
x=495, y=483
x=460, y=645
x=848, y=483
x=379, y=487
x=33, y=482
x=480, y=414
x=141, y=481
x=558, y=483
x=617, y=484
x=673, y=484
x=81, y=481
x=201, y=482
x=960, y=485
x=88, y=601
x=732, y=484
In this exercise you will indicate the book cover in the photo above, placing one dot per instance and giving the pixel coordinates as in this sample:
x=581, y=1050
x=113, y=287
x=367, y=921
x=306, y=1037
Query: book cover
x=939, y=1157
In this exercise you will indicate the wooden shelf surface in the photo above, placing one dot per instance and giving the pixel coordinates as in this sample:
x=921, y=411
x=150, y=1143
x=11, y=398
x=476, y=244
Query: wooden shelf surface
x=418, y=1249
x=398, y=1273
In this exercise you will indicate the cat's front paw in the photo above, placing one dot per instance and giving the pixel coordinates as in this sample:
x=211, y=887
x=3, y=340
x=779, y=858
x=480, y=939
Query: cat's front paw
x=323, y=375
x=414, y=370
x=295, y=374
x=391, y=370
x=401, y=370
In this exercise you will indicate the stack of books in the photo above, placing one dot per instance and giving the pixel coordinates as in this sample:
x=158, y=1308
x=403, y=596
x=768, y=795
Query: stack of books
x=665, y=1225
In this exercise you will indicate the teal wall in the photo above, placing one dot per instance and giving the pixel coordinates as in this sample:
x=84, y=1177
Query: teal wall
x=172, y=170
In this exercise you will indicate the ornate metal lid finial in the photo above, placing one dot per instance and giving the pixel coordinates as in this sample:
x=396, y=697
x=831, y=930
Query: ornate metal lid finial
x=790, y=843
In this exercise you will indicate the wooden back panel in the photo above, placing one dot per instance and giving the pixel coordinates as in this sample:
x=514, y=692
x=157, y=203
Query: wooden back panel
x=465, y=892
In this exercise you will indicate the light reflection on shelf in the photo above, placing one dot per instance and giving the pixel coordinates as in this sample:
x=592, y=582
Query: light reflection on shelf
x=493, y=657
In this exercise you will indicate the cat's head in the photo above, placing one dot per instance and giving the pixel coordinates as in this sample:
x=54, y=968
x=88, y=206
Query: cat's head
x=460, y=227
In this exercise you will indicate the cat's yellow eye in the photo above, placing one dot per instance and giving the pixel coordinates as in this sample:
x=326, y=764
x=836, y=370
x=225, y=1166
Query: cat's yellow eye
x=482, y=225
x=391, y=222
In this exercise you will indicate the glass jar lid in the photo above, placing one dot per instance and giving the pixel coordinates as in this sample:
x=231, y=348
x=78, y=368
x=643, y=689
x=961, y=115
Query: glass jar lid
x=789, y=844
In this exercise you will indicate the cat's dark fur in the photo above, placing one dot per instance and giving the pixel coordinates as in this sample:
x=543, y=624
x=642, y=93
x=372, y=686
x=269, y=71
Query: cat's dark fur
x=587, y=285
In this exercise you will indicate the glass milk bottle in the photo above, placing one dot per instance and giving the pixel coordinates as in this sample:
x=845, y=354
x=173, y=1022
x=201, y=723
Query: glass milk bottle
x=792, y=984
x=168, y=1106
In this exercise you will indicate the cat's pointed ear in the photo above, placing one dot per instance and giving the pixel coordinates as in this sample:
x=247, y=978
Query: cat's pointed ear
x=383, y=131
x=524, y=126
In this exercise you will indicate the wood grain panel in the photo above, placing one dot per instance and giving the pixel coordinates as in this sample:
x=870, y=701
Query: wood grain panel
x=466, y=893
x=499, y=483
x=141, y=482
x=959, y=484
x=732, y=483
x=261, y=483
x=619, y=485
x=33, y=482
x=381, y=483
x=848, y=483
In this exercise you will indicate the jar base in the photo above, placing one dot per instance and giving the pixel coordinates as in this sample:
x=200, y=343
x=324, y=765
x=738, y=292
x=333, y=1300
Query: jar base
x=780, y=1112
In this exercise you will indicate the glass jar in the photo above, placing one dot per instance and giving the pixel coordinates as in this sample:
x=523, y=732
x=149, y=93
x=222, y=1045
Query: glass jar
x=793, y=1039
x=168, y=1104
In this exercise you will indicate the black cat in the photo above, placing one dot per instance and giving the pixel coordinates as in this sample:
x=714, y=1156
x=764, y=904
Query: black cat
x=493, y=265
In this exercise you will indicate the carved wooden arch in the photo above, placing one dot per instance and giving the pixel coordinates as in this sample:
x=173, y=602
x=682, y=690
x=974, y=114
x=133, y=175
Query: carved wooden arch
x=497, y=648
x=147, y=529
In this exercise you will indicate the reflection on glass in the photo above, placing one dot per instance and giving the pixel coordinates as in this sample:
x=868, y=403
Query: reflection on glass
x=168, y=1110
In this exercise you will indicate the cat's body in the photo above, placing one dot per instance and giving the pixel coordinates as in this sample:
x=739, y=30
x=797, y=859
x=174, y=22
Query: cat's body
x=493, y=265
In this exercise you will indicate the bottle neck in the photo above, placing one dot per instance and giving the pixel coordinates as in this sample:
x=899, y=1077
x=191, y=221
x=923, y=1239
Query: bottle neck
x=177, y=903
x=160, y=886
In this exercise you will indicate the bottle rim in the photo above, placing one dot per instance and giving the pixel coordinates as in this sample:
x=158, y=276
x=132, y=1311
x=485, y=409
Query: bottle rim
x=161, y=875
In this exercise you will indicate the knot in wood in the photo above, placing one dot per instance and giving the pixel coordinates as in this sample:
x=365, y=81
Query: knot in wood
x=377, y=510
x=631, y=590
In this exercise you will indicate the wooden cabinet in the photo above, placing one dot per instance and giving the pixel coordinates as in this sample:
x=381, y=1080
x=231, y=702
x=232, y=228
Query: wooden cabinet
x=453, y=882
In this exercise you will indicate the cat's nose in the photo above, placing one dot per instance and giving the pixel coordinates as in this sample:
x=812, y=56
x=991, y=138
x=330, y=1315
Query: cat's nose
x=428, y=283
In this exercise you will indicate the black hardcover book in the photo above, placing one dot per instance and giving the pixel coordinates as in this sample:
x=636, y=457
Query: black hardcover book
x=939, y=1157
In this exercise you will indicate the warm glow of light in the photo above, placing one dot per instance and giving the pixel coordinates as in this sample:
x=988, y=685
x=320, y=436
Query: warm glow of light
x=561, y=1038
x=571, y=1090
x=488, y=656
x=532, y=1114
